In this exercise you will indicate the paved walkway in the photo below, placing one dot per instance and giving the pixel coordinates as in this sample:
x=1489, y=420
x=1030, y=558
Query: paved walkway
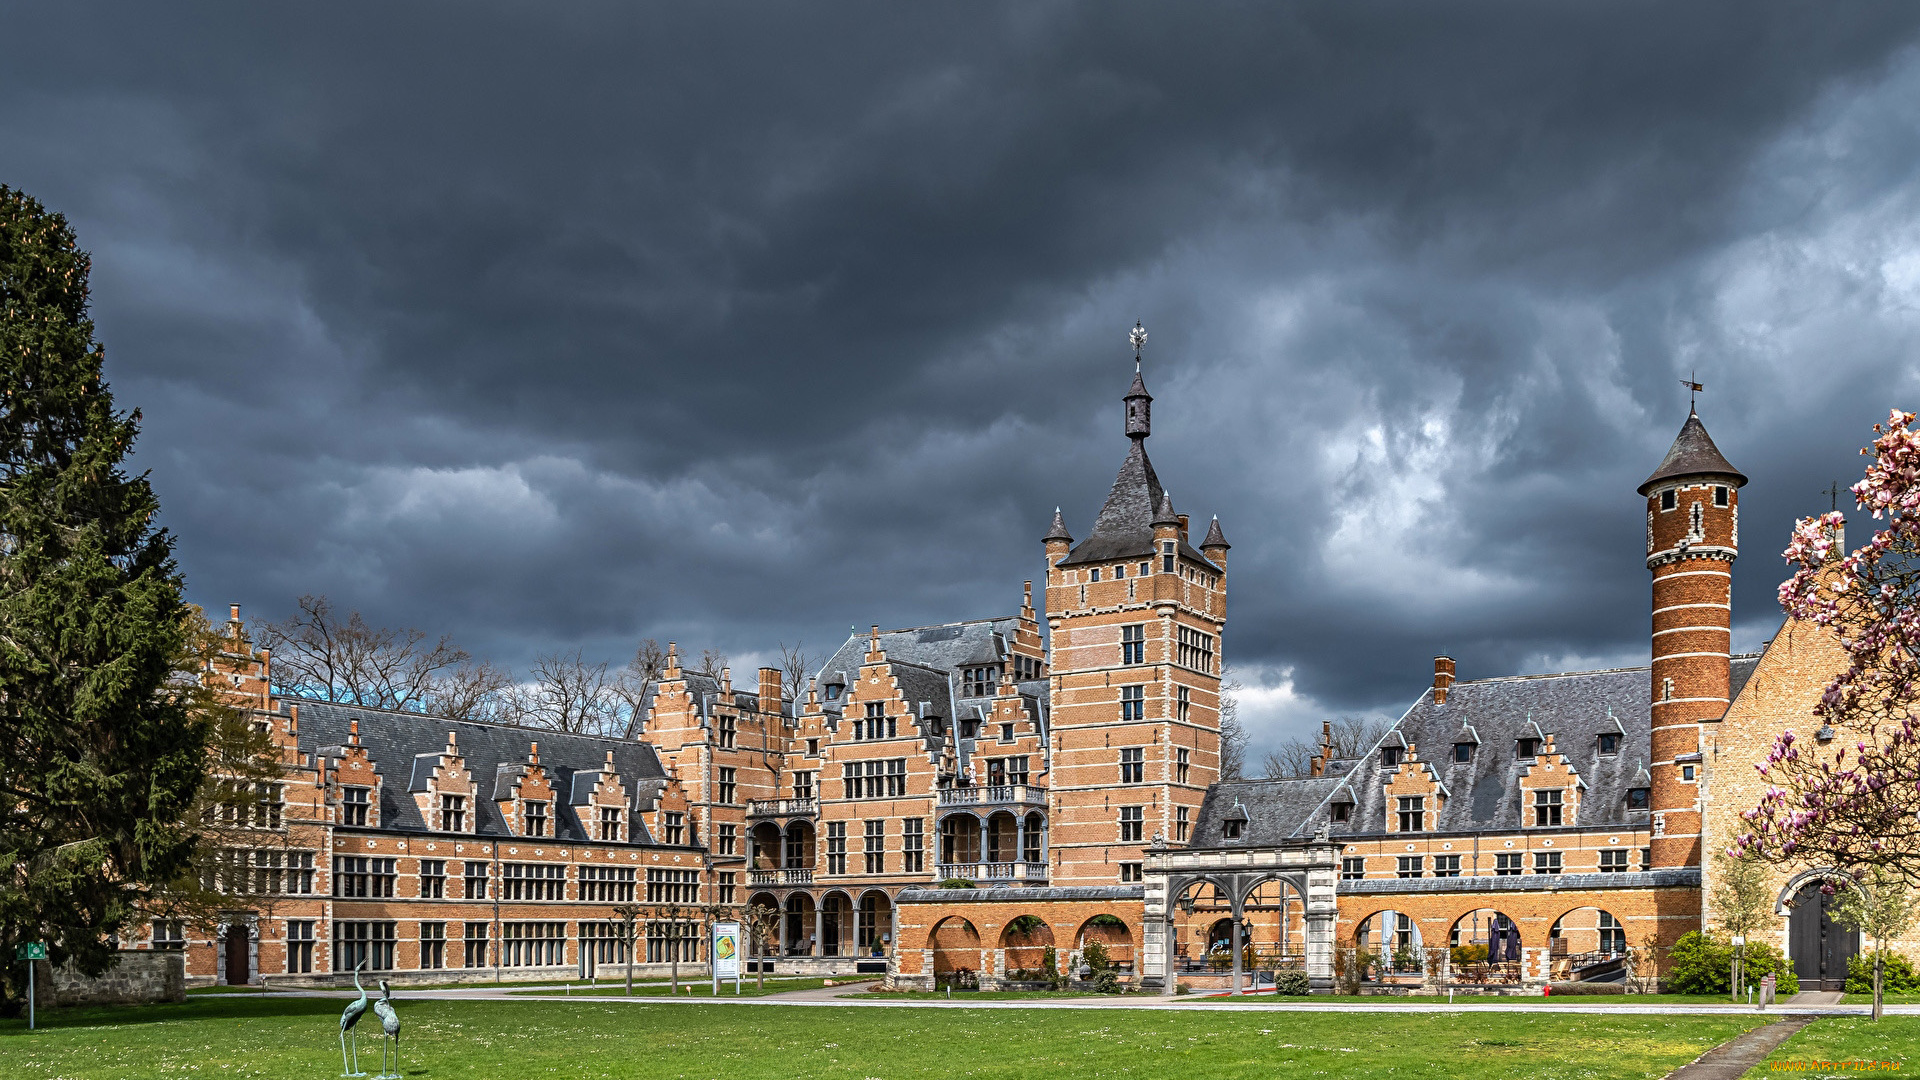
x=1816, y=997
x=1731, y=1059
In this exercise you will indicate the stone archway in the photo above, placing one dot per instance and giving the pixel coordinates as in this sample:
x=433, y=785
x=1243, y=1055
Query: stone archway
x=1309, y=867
x=956, y=948
x=1820, y=948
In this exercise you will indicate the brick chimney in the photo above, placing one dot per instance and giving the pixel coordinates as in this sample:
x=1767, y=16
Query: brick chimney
x=1442, y=678
x=770, y=690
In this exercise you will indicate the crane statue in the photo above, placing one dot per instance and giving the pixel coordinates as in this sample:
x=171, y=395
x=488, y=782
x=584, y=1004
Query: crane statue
x=348, y=1017
x=390, y=1024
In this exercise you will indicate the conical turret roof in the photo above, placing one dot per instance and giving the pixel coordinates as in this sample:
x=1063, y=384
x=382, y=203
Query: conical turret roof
x=1059, y=529
x=1693, y=454
x=1215, y=538
x=1165, y=515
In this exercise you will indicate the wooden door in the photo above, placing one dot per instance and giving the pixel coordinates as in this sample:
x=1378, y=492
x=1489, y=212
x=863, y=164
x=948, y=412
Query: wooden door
x=1821, y=948
x=239, y=968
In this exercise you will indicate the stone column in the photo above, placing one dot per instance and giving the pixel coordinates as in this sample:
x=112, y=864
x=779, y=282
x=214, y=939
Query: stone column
x=819, y=938
x=983, y=843
x=1019, y=839
x=1320, y=951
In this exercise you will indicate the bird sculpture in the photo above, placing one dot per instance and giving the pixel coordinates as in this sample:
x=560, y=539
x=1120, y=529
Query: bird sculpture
x=348, y=1017
x=390, y=1024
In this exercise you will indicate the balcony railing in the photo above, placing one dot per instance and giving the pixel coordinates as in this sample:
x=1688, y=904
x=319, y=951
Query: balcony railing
x=993, y=795
x=795, y=876
x=994, y=871
x=783, y=807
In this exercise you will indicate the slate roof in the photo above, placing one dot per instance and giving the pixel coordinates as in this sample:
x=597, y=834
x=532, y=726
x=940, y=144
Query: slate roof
x=1004, y=894
x=404, y=745
x=1124, y=529
x=1482, y=794
x=947, y=647
x=1693, y=454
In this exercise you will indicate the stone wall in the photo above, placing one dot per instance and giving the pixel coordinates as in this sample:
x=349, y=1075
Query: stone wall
x=136, y=978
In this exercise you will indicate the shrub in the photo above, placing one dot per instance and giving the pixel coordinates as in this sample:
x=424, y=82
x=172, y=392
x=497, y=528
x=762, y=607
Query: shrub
x=1100, y=971
x=1220, y=959
x=1362, y=960
x=1182, y=988
x=1585, y=989
x=959, y=978
x=956, y=883
x=1291, y=983
x=1050, y=967
x=1896, y=977
x=1405, y=959
x=1704, y=965
x=1469, y=954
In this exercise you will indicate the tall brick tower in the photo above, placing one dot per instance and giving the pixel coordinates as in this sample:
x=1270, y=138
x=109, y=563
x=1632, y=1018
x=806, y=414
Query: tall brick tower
x=1693, y=536
x=1135, y=615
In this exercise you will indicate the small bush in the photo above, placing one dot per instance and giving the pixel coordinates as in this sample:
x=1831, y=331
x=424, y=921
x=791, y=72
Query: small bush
x=1469, y=954
x=1291, y=983
x=1182, y=988
x=1100, y=971
x=1704, y=965
x=959, y=978
x=1585, y=989
x=1405, y=959
x=956, y=883
x=1896, y=977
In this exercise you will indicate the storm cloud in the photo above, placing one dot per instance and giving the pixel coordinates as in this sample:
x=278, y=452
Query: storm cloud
x=557, y=326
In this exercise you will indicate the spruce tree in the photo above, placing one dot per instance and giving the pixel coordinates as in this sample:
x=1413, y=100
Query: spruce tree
x=101, y=753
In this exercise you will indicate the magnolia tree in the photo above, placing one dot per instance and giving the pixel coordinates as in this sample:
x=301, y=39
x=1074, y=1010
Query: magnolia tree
x=1856, y=810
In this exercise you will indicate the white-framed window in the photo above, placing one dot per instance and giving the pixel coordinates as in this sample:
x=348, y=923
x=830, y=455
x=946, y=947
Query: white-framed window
x=1132, y=824
x=1133, y=767
x=1133, y=643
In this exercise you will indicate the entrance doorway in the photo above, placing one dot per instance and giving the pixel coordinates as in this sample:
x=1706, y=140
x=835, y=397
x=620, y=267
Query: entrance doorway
x=239, y=969
x=1821, y=948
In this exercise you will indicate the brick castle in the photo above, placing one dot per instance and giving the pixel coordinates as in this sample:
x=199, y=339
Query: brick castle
x=977, y=797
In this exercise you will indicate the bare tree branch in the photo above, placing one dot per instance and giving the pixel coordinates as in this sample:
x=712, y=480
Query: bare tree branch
x=317, y=654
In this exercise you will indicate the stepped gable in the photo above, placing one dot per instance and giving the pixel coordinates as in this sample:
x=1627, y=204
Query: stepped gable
x=394, y=739
x=945, y=648
x=1693, y=454
x=1484, y=793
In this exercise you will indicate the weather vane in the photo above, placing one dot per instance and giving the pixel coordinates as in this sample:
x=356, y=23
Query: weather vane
x=1693, y=389
x=1833, y=492
x=1137, y=337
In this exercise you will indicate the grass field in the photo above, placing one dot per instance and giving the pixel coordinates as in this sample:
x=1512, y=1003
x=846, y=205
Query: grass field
x=1476, y=999
x=1850, y=1039
x=282, y=1036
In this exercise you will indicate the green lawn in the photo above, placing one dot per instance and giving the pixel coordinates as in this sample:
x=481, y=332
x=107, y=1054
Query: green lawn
x=1849, y=1039
x=1885, y=999
x=973, y=995
x=700, y=988
x=1476, y=999
x=283, y=1036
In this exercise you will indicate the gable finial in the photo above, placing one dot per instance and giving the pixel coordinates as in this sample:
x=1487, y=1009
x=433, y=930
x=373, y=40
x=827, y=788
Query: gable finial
x=1137, y=337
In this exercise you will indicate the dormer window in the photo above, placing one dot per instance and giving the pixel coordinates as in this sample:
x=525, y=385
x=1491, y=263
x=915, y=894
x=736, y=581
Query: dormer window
x=1413, y=813
x=969, y=728
x=1343, y=811
x=1463, y=751
x=533, y=815
x=355, y=803
x=1231, y=829
x=610, y=824
x=833, y=691
x=1391, y=755
x=1526, y=748
x=1609, y=742
x=1637, y=798
x=453, y=813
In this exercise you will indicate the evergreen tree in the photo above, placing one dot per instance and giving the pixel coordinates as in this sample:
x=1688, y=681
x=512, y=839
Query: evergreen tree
x=101, y=754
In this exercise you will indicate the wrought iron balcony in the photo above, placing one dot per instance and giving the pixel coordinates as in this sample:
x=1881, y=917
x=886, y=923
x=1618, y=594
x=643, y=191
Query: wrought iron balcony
x=993, y=871
x=994, y=795
x=782, y=807
x=802, y=875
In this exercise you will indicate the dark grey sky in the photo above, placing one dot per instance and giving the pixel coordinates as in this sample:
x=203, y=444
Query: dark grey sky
x=565, y=325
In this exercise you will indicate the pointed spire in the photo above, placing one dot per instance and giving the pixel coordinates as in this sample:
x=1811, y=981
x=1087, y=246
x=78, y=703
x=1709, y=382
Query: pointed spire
x=1163, y=514
x=1215, y=538
x=1693, y=454
x=1059, y=529
x=1139, y=402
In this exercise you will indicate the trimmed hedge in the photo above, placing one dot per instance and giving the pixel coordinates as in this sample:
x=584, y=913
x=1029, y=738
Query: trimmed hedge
x=1291, y=983
x=1584, y=989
